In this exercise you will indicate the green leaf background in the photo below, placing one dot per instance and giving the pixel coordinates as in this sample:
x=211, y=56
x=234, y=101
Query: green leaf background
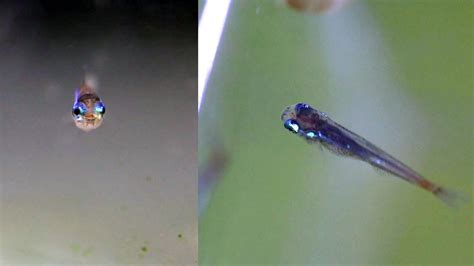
x=399, y=73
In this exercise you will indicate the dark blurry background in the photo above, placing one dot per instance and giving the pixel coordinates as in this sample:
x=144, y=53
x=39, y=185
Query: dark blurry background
x=168, y=9
x=124, y=193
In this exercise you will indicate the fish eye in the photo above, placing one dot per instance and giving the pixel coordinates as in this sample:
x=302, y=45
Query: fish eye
x=292, y=125
x=100, y=108
x=78, y=110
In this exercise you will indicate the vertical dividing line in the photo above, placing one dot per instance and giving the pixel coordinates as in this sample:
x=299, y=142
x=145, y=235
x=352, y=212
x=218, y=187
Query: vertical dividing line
x=210, y=29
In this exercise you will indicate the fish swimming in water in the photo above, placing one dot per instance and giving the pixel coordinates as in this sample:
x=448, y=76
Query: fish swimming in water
x=316, y=127
x=88, y=109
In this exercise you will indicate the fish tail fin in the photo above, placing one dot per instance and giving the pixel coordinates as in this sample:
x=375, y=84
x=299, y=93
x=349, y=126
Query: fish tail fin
x=91, y=80
x=451, y=198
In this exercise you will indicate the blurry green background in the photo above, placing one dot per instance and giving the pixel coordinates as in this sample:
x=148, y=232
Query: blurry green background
x=399, y=73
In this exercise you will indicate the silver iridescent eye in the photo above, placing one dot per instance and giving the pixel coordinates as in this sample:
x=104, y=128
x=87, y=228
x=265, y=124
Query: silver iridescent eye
x=292, y=125
x=100, y=108
x=78, y=110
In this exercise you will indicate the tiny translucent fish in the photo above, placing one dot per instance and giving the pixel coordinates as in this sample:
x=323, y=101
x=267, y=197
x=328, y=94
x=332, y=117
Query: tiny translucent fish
x=316, y=127
x=88, y=109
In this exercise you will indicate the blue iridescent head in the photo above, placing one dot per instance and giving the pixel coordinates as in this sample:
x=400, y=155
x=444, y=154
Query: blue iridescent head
x=88, y=115
x=298, y=118
x=303, y=108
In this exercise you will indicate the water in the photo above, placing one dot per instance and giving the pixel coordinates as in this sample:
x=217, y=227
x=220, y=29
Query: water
x=397, y=73
x=124, y=192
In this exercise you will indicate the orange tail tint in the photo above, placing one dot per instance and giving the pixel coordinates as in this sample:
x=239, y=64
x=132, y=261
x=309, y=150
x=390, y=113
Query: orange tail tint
x=450, y=198
x=425, y=184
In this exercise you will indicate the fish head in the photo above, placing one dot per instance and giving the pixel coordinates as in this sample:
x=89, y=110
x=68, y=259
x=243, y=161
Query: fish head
x=300, y=117
x=88, y=114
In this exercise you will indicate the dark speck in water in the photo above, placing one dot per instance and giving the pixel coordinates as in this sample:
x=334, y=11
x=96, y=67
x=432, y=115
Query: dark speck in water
x=180, y=236
x=144, y=249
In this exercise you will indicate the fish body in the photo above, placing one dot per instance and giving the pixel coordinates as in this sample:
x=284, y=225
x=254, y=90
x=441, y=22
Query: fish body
x=88, y=109
x=316, y=127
